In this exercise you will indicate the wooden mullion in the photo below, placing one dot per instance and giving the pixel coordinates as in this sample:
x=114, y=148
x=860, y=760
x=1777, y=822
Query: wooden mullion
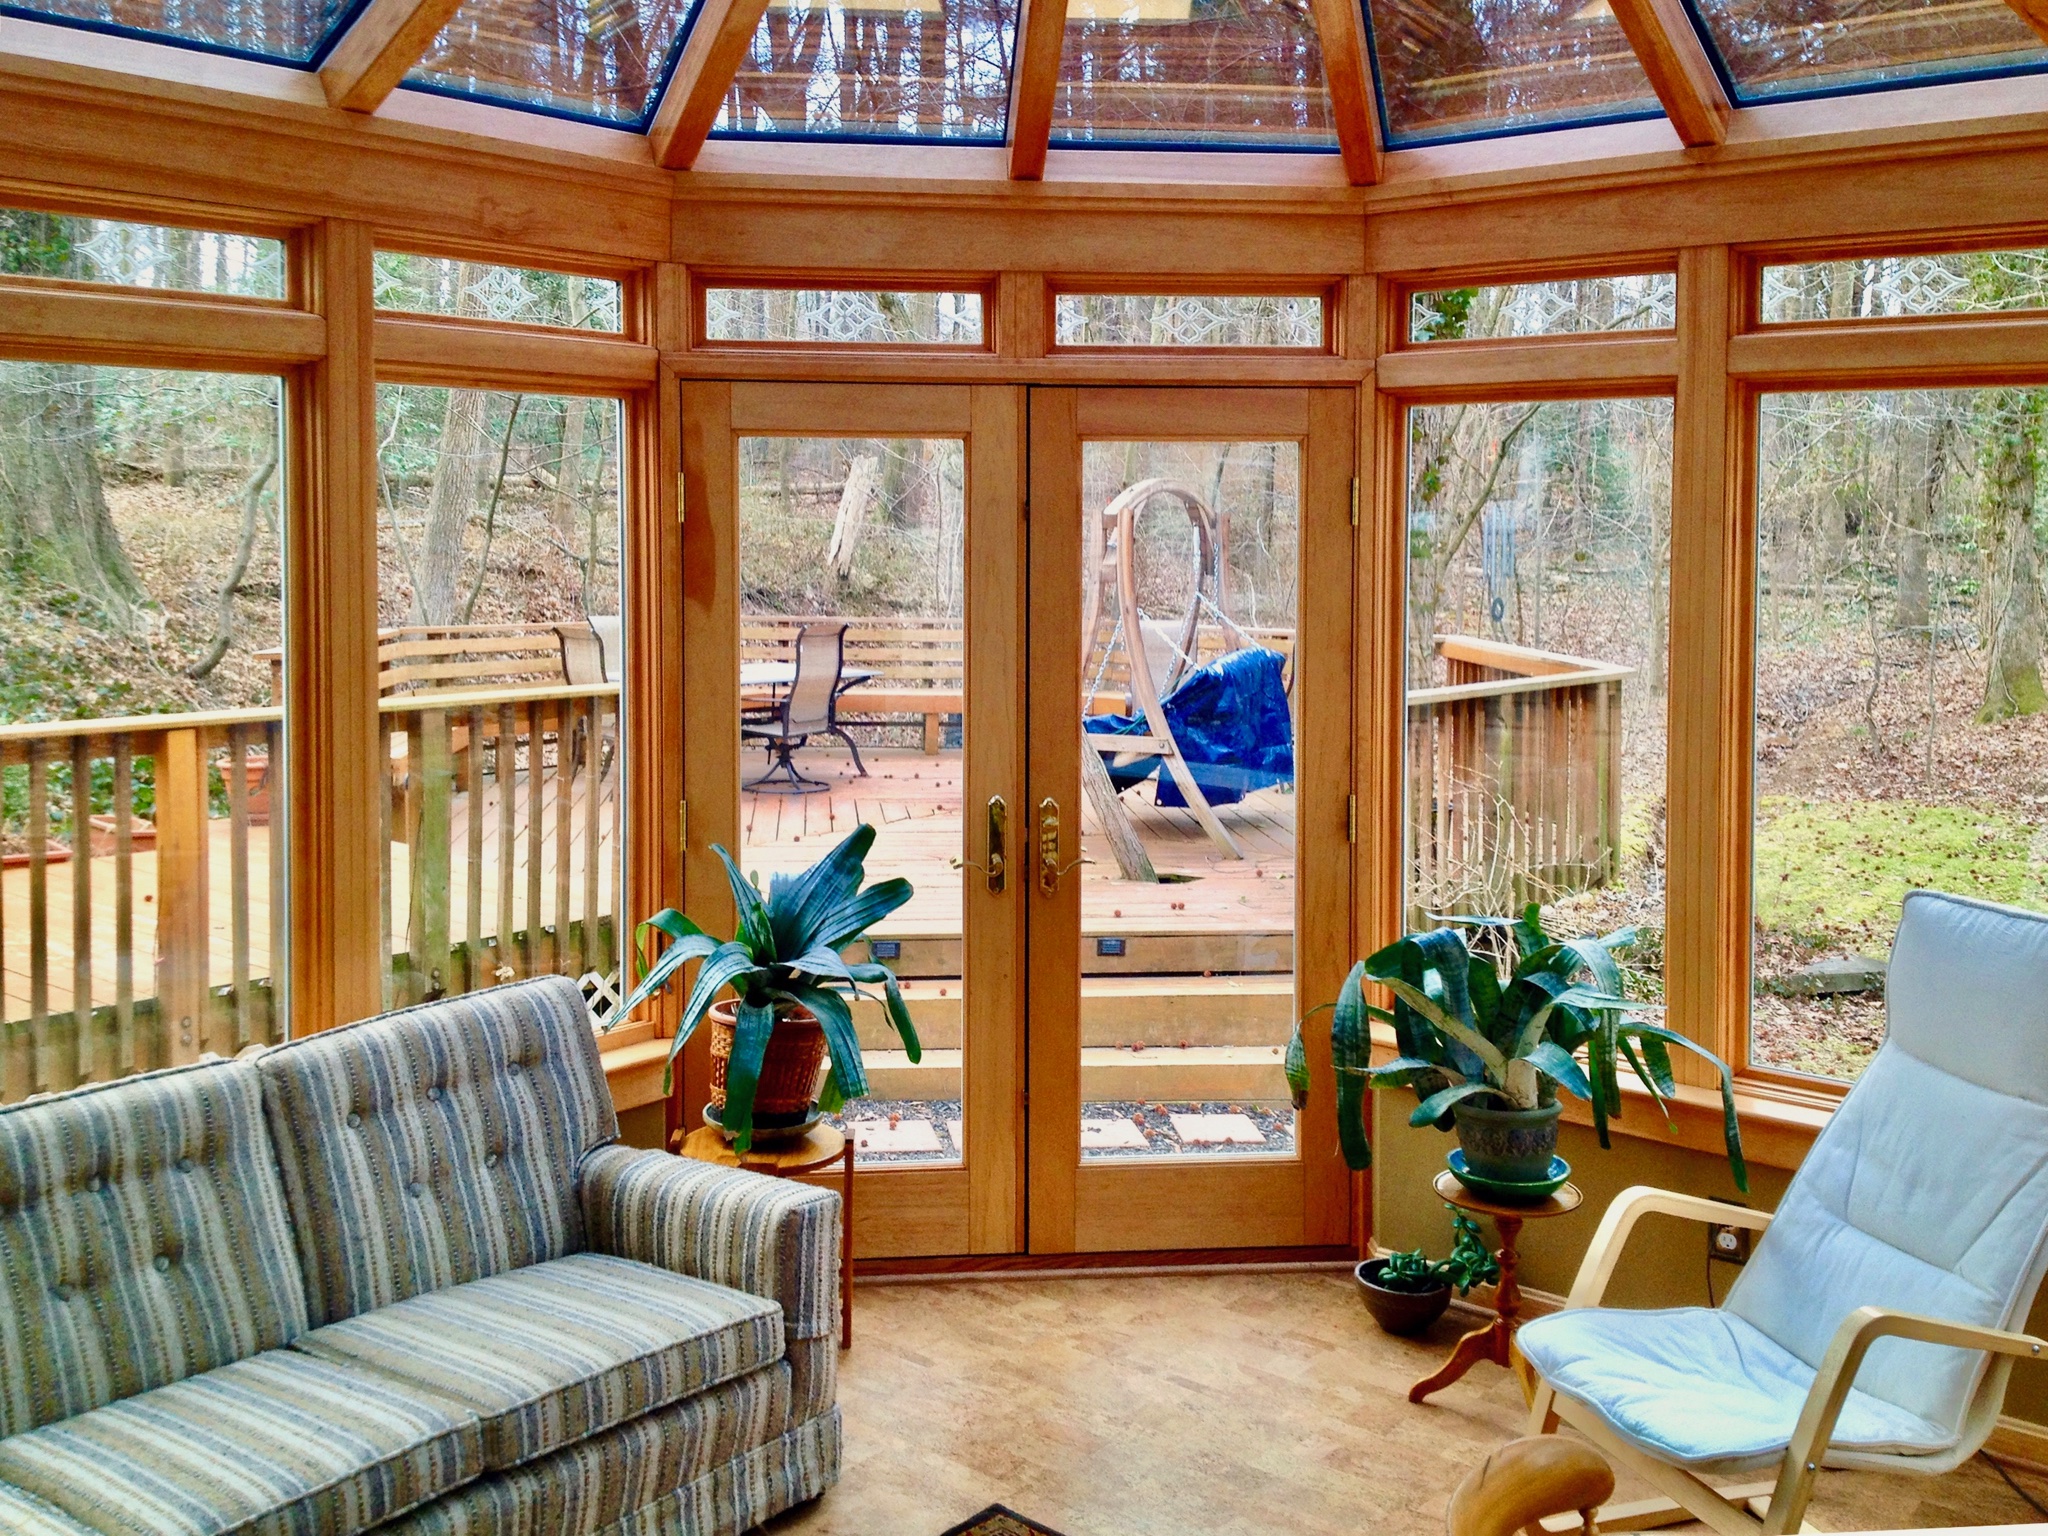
x=1354, y=96
x=415, y=349
x=711, y=56
x=1681, y=73
x=1034, y=82
x=385, y=40
x=146, y=328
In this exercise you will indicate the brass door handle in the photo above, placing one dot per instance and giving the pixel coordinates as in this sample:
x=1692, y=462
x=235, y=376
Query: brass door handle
x=1049, y=867
x=997, y=867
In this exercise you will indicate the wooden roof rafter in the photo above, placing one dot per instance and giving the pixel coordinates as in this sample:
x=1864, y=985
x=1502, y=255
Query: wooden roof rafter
x=381, y=44
x=1034, y=83
x=711, y=57
x=1354, y=93
x=1680, y=72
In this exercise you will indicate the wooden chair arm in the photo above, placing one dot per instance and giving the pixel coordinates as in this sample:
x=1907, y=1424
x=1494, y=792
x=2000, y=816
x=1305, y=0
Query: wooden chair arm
x=1629, y=1207
x=1837, y=1374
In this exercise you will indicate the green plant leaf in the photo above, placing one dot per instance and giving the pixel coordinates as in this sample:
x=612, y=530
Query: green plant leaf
x=1731, y=1126
x=853, y=917
x=1351, y=1055
x=1555, y=1063
x=799, y=906
x=847, y=1068
x=752, y=1026
x=727, y=963
x=1295, y=1066
x=667, y=921
x=1529, y=934
x=755, y=930
x=1401, y=1072
x=653, y=979
x=1435, y=1105
x=1484, y=1050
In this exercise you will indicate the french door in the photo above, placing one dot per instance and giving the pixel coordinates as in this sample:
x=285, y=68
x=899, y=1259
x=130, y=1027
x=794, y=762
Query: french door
x=1114, y=927
x=1188, y=790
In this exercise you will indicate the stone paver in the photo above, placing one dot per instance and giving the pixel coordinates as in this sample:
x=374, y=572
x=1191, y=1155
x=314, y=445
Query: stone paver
x=904, y=1136
x=1212, y=1129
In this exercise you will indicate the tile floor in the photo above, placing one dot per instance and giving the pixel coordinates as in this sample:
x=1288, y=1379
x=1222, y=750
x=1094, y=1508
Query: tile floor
x=1208, y=1405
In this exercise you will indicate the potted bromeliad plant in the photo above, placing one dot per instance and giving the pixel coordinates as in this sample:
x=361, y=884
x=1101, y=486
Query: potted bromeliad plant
x=1486, y=1048
x=792, y=990
x=1406, y=1292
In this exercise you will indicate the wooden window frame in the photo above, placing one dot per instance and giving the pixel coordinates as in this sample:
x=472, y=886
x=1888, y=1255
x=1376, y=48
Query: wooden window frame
x=1329, y=290
x=982, y=284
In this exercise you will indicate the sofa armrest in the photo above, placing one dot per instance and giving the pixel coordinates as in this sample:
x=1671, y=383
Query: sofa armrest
x=770, y=1237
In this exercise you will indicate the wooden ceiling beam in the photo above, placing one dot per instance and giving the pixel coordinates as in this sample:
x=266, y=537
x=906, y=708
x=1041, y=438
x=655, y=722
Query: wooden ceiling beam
x=386, y=40
x=1354, y=94
x=1680, y=72
x=1034, y=82
x=2034, y=13
x=712, y=55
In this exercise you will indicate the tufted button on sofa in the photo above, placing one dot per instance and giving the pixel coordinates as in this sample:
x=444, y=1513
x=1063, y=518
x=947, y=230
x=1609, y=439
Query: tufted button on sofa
x=401, y=1277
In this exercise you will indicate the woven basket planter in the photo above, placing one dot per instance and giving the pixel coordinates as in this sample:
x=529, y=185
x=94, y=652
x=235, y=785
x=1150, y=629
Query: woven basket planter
x=789, y=1071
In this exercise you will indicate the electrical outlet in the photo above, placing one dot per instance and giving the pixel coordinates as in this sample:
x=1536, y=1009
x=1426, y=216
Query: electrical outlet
x=1728, y=1244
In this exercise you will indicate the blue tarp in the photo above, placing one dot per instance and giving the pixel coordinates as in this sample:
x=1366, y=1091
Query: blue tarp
x=1230, y=718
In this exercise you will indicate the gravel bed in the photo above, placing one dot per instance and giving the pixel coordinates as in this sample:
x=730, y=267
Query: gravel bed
x=1274, y=1122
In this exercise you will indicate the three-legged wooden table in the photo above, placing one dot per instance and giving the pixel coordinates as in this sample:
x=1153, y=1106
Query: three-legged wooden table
x=1494, y=1341
x=818, y=1151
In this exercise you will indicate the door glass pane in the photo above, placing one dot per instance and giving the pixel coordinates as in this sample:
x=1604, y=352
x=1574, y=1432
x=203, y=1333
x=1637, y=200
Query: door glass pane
x=142, y=893
x=499, y=655
x=1190, y=571
x=1539, y=551
x=852, y=564
x=1901, y=723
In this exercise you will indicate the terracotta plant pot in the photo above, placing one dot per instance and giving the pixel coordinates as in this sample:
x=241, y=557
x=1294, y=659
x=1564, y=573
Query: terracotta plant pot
x=1513, y=1146
x=1402, y=1312
x=789, y=1071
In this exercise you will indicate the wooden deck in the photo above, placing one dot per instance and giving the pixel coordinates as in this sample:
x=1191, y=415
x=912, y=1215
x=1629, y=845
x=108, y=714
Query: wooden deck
x=914, y=802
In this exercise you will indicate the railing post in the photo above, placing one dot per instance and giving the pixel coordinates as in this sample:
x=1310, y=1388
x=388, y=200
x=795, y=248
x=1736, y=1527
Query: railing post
x=430, y=787
x=181, y=893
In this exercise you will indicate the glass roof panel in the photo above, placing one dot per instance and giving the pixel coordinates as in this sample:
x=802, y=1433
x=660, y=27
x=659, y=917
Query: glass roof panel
x=605, y=60
x=1778, y=48
x=1210, y=73
x=279, y=31
x=875, y=69
x=1453, y=69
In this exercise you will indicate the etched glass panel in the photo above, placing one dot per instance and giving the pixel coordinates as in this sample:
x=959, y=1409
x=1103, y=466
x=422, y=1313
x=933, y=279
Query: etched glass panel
x=1896, y=287
x=1188, y=320
x=86, y=250
x=476, y=290
x=1574, y=306
x=845, y=317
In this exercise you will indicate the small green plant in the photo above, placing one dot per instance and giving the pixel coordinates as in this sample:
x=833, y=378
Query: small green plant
x=1469, y=1263
x=1465, y=1031
x=786, y=956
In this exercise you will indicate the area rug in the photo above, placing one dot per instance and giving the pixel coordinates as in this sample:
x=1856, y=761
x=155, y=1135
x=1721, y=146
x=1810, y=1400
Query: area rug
x=998, y=1521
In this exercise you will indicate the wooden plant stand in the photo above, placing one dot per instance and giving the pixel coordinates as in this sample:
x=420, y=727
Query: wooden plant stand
x=1496, y=1339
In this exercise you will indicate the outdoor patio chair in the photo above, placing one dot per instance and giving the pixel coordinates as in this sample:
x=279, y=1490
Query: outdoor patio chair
x=1873, y=1326
x=806, y=708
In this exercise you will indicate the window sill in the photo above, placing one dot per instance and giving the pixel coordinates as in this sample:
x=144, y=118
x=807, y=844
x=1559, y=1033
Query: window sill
x=1779, y=1121
x=634, y=1056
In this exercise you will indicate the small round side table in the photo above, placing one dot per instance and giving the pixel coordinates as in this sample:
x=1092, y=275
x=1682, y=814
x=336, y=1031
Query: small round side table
x=818, y=1151
x=1494, y=1341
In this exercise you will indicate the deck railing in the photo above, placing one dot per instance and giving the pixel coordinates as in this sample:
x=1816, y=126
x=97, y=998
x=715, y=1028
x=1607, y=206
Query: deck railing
x=136, y=918
x=1514, y=778
x=135, y=915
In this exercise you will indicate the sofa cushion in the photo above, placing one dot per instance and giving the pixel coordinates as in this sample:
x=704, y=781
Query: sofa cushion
x=143, y=1239
x=438, y=1145
x=549, y=1354
x=23, y=1514
x=595, y=1483
x=281, y=1443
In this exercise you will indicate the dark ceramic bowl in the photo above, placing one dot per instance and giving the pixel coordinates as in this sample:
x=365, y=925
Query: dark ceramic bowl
x=1402, y=1312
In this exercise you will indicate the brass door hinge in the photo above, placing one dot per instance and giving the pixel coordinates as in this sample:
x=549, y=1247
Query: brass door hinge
x=682, y=482
x=1351, y=818
x=1354, y=501
x=683, y=825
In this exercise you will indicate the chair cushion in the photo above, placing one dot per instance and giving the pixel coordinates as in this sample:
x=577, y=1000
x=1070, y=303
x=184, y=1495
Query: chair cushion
x=281, y=1443
x=549, y=1354
x=143, y=1239
x=437, y=1145
x=1702, y=1388
x=23, y=1514
x=595, y=1483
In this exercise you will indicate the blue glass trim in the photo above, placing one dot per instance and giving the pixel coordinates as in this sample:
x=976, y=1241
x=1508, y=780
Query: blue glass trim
x=1204, y=146
x=636, y=124
x=1823, y=92
x=841, y=136
x=313, y=60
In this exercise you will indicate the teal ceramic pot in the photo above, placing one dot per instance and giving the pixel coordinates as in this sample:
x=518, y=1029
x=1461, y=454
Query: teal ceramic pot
x=1510, y=1145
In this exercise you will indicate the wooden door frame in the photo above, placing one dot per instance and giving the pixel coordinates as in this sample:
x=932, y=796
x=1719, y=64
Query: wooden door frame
x=975, y=1207
x=1301, y=1203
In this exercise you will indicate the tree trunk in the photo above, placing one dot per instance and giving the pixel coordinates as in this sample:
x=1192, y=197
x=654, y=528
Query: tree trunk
x=53, y=509
x=2012, y=684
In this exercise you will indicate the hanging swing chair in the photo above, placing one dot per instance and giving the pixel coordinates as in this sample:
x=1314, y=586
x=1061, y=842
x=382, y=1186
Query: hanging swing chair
x=1208, y=733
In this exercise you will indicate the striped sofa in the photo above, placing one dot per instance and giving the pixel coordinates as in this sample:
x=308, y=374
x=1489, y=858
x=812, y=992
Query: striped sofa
x=401, y=1277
